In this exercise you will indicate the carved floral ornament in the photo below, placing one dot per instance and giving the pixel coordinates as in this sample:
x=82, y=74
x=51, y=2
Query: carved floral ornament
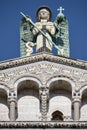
x=43, y=67
x=44, y=71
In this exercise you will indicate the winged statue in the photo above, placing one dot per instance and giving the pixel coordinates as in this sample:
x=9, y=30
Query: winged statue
x=43, y=35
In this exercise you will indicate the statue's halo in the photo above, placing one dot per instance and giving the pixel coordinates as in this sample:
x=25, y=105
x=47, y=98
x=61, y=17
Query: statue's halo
x=44, y=7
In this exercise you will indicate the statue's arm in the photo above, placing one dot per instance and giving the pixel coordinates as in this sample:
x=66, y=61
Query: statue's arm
x=35, y=30
x=51, y=28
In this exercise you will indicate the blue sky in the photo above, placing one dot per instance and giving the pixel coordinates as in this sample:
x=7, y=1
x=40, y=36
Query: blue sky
x=75, y=11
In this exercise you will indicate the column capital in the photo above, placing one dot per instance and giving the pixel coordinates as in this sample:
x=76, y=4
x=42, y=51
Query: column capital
x=44, y=92
x=76, y=99
x=12, y=99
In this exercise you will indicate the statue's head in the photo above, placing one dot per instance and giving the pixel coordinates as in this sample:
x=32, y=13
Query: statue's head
x=44, y=13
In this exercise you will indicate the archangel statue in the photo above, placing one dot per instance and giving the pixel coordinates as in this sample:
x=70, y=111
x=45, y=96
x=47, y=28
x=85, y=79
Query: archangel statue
x=43, y=35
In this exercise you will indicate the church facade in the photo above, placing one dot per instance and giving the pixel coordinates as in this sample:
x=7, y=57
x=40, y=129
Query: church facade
x=43, y=90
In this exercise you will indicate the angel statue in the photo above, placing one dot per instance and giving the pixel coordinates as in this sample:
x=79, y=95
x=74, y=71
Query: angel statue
x=42, y=35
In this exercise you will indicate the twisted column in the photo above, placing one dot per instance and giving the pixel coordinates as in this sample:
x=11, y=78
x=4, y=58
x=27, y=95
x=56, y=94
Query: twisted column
x=44, y=98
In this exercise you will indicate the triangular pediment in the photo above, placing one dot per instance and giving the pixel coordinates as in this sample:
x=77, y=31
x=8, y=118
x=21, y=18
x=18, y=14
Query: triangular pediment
x=44, y=56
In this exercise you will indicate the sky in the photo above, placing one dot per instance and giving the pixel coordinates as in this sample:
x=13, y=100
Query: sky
x=75, y=11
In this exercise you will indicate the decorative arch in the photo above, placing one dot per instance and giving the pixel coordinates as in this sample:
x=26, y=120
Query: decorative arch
x=61, y=88
x=4, y=110
x=83, y=109
x=57, y=116
x=72, y=84
x=27, y=90
x=4, y=88
x=83, y=89
x=56, y=109
x=21, y=79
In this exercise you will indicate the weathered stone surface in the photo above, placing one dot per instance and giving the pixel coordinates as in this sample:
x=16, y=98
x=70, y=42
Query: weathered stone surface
x=63, y=80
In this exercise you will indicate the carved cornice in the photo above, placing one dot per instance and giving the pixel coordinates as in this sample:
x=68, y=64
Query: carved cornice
x=43, y=57
x=27, y=124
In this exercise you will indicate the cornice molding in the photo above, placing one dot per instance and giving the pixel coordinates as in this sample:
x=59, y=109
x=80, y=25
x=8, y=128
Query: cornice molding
x=43, y=57
x=33, y=124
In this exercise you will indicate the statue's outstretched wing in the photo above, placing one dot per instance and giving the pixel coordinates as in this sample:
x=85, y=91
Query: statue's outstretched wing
x=26, y=35
x=62, y=40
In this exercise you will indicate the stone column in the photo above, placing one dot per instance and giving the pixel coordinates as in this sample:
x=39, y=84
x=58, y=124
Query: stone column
x=44, y=98
x=76, y=106
x=12, y=107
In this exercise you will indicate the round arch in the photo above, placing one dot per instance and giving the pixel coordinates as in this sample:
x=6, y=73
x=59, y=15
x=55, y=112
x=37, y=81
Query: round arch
x=26, y=78
x=4, y=109
x=60, y=88
x=52, y=80
x=83, y=108
x=83, y=89
x=5, y=89
x=57, y=116
x=56, y=109
x=27, y=91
